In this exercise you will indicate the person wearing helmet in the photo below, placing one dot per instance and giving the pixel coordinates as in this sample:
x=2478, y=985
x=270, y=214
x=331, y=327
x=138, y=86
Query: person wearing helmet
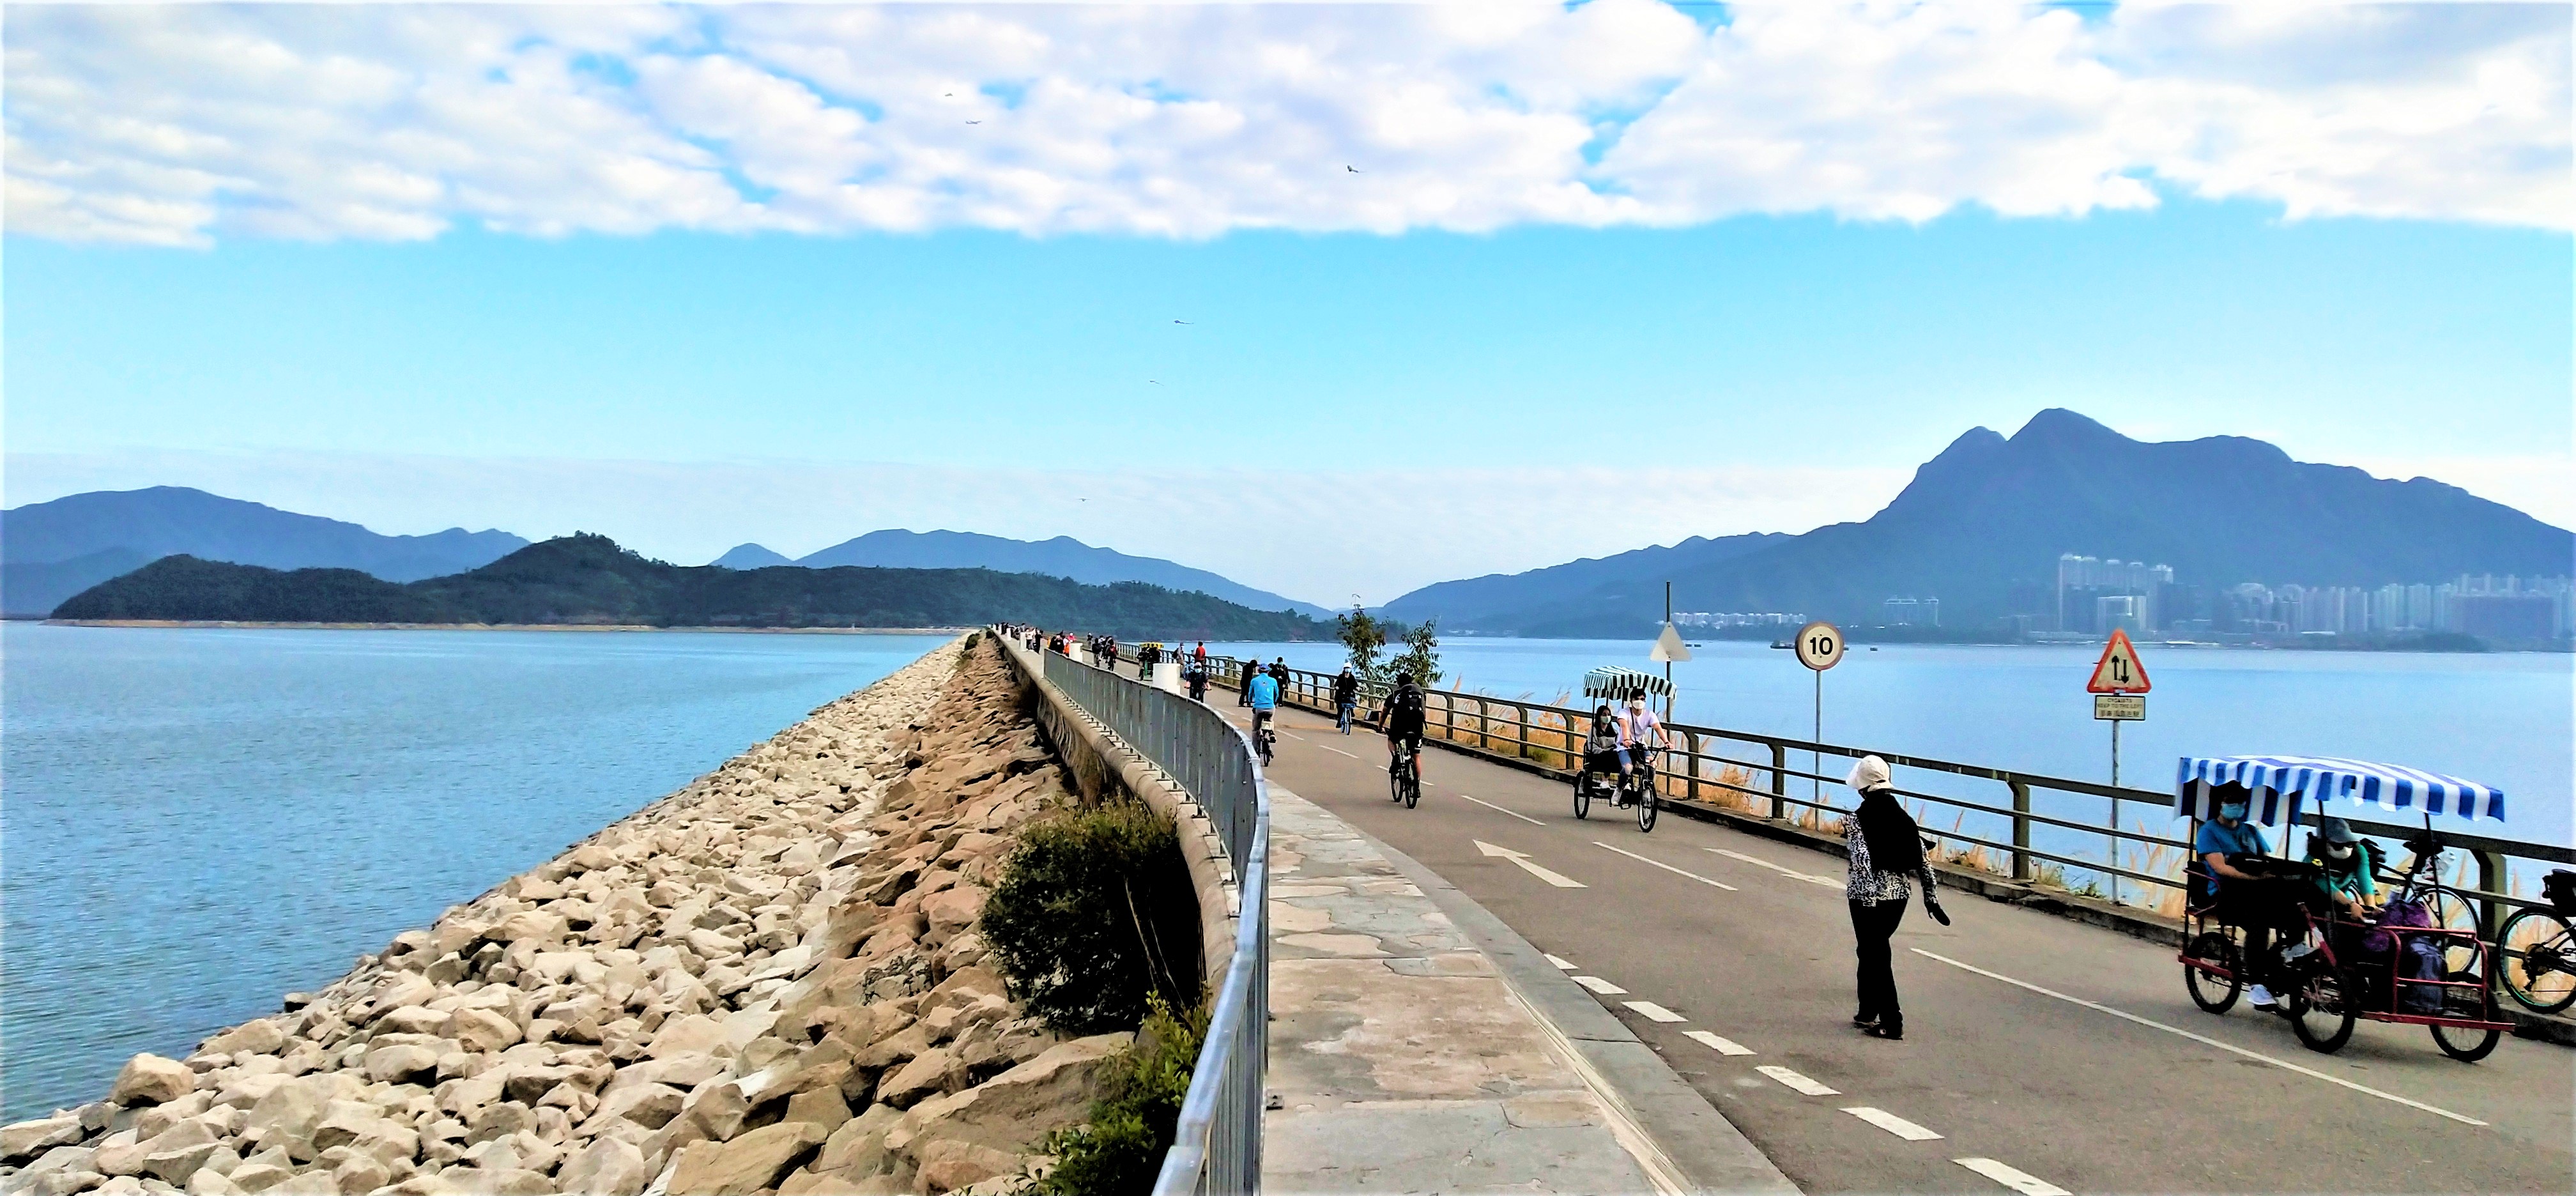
x=1402, y=720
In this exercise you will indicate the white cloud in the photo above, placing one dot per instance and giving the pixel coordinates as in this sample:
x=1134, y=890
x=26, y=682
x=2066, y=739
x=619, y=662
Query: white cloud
x=1263, y=528
x=176, y=125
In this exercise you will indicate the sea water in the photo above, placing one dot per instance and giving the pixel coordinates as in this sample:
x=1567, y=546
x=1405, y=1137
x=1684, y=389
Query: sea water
x=2504, y=719
x=195, y=821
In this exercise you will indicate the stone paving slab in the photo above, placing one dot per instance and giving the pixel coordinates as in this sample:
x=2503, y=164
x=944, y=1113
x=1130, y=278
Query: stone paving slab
x=1401, y=1058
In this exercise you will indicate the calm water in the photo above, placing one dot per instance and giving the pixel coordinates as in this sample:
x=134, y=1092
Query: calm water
x=2506, y=719
x=196, y=821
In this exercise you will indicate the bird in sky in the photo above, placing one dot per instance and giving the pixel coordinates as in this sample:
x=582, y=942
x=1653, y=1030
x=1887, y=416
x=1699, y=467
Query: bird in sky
x=1180, y=321
x=1157, y=383
x=974, y=122
x=1353, y=169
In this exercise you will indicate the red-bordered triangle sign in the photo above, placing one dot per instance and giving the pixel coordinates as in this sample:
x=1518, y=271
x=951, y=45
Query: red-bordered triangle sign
x=2118, y=672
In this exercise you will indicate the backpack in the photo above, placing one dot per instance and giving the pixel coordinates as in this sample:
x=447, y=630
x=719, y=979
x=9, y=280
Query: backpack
x=2400, y=915
x=2422, y=961
x=1406, y=703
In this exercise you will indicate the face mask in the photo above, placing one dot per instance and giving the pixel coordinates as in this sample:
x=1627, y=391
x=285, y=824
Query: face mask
x=2231, y=811
x=2338, y=851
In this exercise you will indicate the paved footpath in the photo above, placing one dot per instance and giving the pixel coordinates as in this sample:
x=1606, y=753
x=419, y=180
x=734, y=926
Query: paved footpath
x=1413, y=1049
x=2041, y=1055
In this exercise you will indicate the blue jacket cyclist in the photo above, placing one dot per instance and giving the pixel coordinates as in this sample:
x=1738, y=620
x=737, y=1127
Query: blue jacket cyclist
x=1264, y=692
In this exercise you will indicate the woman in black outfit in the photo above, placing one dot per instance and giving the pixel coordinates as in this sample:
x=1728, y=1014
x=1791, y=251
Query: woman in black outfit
x=1886, y=858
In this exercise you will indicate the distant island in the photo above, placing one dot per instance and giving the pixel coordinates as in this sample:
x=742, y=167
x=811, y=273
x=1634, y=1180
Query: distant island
x=590, y=580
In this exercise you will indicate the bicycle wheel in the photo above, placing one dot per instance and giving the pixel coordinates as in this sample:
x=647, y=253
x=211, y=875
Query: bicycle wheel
x=2452, y=911
x=1412, y=791
x=2539, y=964
x=1394, y=784
x=1265, y=751
x=2321, y=1011
x=2461, y=1042
x=1646, y=814
x=2209, y=990
x=1582, y=798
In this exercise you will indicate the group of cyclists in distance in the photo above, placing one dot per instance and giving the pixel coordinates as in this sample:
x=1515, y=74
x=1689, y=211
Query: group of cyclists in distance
x=1626, y=738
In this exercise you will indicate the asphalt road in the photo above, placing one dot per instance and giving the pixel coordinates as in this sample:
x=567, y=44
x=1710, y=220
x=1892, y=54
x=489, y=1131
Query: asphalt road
x=2068, y=1054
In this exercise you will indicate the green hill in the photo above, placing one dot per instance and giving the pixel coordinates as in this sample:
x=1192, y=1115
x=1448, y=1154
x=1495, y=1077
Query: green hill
x=588, y=579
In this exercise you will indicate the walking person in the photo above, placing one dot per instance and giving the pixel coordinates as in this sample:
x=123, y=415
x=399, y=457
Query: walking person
x=1886, y=850
x=1243, y=681
x=1346, y=697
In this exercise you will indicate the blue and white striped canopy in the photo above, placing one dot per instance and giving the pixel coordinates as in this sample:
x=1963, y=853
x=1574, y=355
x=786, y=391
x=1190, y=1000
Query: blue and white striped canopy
x=2322, y=780
x=1615, y=683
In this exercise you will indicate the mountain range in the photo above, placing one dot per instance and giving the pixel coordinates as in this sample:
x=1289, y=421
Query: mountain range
x=589, y=580
x=50, y=551
x=1062, y=556
x=1990, y=515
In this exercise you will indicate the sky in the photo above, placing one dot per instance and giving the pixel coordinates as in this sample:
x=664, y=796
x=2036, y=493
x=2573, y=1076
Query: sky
x=1337, y=301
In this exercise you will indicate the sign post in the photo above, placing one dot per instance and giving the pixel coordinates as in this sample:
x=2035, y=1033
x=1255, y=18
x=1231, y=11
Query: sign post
x=2119, y=687
x=1820, y=647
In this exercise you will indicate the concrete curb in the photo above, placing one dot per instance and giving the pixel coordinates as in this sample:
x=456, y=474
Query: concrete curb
x=1697, y=1140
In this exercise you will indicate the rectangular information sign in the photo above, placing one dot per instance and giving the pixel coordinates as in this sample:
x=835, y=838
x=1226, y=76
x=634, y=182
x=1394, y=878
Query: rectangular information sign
x=2123, y=707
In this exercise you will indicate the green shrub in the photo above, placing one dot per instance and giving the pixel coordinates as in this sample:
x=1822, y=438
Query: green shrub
x=1095, y=916
x=1121, y=1149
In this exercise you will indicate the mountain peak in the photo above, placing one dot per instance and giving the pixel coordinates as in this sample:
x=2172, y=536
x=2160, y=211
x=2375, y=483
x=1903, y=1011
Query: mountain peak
x=750, y=556
x=2059, y=427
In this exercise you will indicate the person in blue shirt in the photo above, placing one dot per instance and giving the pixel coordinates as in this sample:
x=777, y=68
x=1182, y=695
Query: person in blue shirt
x=1264, y=694
x=2258, y=904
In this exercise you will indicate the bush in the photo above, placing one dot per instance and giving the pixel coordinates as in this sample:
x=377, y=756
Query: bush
x=1095, y=916
x=1121, y=1149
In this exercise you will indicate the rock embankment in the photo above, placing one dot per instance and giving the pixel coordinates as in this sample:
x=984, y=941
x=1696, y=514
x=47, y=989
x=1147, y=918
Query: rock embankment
x=770, y=980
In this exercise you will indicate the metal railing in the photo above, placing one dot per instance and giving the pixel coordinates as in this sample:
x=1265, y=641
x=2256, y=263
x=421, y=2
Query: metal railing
x=1698, y=769
x=1216, y=1147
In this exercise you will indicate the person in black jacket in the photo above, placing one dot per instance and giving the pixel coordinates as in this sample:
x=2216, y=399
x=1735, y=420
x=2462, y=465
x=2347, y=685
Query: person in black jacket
x=1346, y=697
x=1402, y=716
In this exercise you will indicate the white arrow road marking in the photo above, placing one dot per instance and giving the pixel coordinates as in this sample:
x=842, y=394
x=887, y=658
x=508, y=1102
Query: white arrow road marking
x=1522, y=858
x=1669, y=868
x=2235, y=1050
x=1723, y=1046
x=1599, y=985
x=1654, y=1012
x=1791, y=873
x=2018, y=1180
x=1892, y=1123
x=1560, y=964
x=1796, y=1082
x=1498, y=809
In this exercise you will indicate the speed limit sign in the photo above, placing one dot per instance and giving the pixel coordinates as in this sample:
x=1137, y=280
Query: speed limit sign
x=1820, y=646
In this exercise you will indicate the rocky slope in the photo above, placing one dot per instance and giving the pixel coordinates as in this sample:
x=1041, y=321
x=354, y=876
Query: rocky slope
x=769, y=980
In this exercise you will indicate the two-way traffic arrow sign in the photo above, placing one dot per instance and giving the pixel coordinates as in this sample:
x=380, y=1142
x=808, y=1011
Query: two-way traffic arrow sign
x=1522, y=858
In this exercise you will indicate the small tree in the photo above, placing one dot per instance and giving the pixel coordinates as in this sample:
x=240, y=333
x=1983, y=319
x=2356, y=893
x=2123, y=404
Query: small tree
x=1365, y=637
x=1421, y=658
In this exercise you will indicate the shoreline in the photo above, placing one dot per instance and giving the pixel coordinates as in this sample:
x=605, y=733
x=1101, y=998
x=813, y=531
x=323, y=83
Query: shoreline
x=249, y=625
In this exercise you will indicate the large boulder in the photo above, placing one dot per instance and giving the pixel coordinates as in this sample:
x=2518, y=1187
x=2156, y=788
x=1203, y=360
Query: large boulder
x=29, y=1138
x=150, y=1080
x=748, y=1164
x=607, y=1167
x=260, y=1037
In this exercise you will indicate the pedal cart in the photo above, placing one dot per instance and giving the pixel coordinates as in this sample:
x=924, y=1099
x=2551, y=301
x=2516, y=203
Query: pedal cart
x=1600, y=775
x=2417, y=961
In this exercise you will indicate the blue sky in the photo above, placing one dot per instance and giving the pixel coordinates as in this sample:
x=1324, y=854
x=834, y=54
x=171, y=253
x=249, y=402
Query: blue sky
x=1491, y=326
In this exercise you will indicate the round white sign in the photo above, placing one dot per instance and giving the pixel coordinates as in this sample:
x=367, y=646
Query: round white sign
x=1820, y=645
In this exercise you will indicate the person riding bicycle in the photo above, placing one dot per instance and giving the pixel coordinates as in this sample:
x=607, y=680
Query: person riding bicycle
x=1401, y=718
x=1346, y=697
x=1262, y=692
x=2227, y=846
x=1194, y=674
x=2347, y=861
x=1641, y=733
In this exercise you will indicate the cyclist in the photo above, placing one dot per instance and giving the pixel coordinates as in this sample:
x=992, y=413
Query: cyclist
x=1642, y=734
x=1346, y=697
x=1402, y=720
x=1263, y=695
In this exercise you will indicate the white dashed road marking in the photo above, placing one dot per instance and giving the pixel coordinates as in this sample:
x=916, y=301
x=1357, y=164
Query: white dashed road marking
x=1560, y=965
x=1796, y=1082
x=1654, y=1012
x=1599, y=985
x=1498, y=809
x=1668, y=868
x=1336, y=751
x=1791, y=873
x=1723, y=1046
x=1892, y=1123
x=2177, y=1030
x=2018, y=1180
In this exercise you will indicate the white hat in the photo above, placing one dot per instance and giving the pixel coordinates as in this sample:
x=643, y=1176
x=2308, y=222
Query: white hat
x=1869, y=774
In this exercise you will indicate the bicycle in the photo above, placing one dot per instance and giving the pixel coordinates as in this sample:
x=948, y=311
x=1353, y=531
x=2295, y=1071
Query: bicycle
x=1264, y=739
x=1404, y=774
x=2541, y=974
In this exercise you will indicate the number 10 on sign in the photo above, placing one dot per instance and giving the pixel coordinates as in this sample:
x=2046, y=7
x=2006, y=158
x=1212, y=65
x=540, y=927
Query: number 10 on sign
x=1820, y=647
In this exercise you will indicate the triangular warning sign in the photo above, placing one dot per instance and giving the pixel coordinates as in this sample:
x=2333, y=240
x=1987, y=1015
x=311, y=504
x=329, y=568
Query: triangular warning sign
x=1668, y=647
x=2118, y=672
